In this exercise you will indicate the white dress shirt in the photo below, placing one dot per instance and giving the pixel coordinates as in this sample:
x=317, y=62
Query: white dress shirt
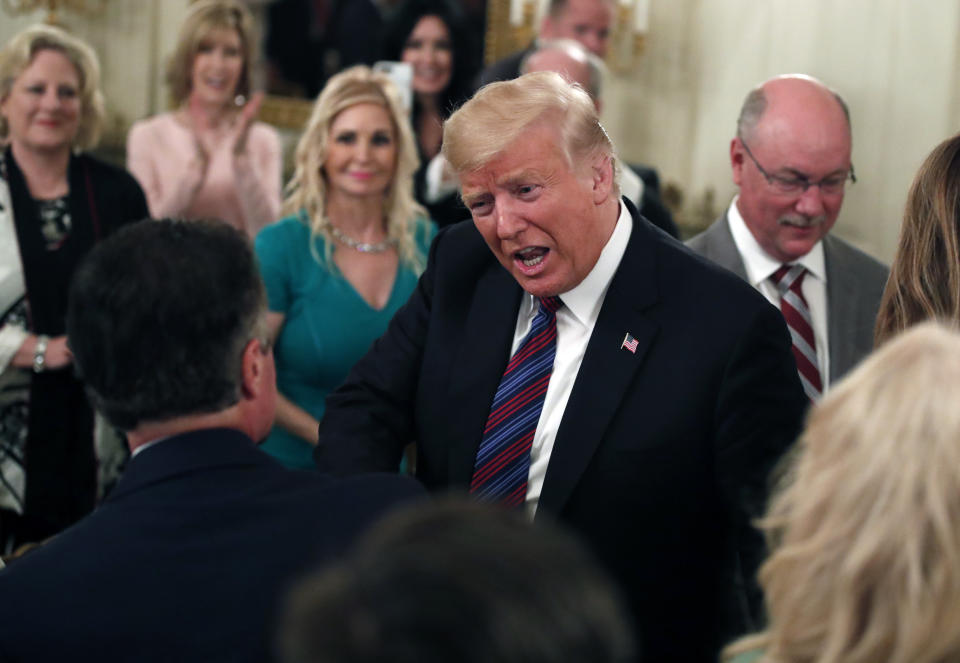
x=575, y=322
x=760, y=265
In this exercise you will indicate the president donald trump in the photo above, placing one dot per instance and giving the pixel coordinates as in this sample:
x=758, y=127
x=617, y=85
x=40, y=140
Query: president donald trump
x=562, y=355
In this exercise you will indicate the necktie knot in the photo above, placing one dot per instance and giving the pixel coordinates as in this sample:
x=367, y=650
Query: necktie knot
x=788, y=277
x=550, y=304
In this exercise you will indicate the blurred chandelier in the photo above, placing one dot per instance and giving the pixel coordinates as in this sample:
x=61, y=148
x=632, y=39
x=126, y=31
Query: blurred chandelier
x=53, y=6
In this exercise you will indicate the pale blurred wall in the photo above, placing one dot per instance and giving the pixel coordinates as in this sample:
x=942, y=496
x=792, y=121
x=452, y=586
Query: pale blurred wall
x=893, y=61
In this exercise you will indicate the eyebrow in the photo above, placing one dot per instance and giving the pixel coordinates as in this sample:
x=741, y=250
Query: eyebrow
x=804, y=176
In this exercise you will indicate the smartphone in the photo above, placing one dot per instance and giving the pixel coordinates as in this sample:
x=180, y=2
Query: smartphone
x=401, y=73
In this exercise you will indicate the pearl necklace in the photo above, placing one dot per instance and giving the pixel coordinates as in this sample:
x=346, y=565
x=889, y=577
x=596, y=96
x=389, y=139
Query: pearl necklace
x=362, y=247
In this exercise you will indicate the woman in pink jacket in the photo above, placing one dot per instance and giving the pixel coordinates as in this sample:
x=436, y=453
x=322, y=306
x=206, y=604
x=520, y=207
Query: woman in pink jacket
x=208, y=158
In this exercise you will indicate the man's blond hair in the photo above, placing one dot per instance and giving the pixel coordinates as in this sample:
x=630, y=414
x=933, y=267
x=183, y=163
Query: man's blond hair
x=500, y=112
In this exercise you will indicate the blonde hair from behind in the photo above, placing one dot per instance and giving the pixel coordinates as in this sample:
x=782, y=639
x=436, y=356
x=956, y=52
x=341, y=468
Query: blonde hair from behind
x=18, y=54
x=865, y=529
x=924, y=281
x=307, y=190
x=500, y=112
x=203, y=18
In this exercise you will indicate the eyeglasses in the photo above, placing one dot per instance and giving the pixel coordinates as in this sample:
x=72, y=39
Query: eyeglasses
x=795, y=186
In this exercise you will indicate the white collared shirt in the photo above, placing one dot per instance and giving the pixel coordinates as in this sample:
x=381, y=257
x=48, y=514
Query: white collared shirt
x=575, y=322
x=760, y=265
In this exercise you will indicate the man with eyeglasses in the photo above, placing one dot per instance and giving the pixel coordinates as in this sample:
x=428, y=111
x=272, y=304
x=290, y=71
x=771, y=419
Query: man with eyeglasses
x=791, y=161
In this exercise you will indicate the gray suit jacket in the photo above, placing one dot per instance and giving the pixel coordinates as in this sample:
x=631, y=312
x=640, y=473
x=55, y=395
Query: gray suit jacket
x=855, y=283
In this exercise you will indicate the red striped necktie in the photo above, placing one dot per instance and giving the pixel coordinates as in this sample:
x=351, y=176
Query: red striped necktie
x=793, y=305
x=503, y=459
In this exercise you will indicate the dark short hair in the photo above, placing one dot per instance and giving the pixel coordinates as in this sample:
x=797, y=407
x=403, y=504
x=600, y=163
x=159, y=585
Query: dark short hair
x=159, y=315
x=459, y=582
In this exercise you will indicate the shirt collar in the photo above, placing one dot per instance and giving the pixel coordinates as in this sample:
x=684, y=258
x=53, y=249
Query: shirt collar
x=584, y=300
x=759, y=264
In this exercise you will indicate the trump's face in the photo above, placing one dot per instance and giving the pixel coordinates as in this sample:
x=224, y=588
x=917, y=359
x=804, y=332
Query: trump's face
x=544, y=221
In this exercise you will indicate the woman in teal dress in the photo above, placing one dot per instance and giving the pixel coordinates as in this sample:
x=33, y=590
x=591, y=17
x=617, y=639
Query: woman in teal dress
x=347, y=256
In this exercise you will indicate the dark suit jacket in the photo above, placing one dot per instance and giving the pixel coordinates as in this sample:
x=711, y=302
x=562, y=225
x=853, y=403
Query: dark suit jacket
x=662, y=456
x=855, y=283
x=188, y=557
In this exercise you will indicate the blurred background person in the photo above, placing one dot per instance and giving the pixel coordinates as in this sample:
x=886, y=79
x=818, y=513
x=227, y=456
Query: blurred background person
x=924, y=279
x=638, y=183
x=347, y=256
x=430, y=35
x=459, y=582
x=55, y=203
x=865, y=530
x=209, y=158
x=590, y=22
x=308, y=41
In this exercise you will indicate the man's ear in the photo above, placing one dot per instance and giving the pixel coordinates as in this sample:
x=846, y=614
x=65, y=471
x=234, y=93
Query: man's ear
x=602, y=171
x=736, y=160
x=255, y=373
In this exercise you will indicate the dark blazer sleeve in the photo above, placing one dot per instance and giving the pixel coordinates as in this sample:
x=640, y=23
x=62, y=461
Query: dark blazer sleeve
x=759, y=414
x=369, y=419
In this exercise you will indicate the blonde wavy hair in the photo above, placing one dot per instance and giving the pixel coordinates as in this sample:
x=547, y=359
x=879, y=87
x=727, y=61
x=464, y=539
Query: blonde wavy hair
x=866, y=526
x=18, y=54
x=203, y=18
x=307, y=190
x=924, y=281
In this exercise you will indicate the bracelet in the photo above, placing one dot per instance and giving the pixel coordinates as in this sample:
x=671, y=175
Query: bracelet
x=40, y=353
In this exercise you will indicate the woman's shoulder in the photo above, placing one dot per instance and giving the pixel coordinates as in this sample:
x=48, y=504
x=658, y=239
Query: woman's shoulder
x=160, y=124
x=424, y=229
x=288, y=230
x=752, y=656
x=265, y=132
x=104, y=172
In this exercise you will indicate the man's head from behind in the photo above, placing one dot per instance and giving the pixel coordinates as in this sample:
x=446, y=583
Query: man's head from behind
x=570, y=59
x=166, y=320
x=791, y=160
x=459, y=582
x=587, y=21
x=537, y=174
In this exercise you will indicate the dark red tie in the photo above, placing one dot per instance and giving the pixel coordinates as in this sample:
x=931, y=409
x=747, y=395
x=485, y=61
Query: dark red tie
x=793, y=305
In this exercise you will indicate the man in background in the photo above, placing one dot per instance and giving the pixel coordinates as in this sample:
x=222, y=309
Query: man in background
x=791, y=159
x=587, y=21
x=578, y=65
x=188, y=556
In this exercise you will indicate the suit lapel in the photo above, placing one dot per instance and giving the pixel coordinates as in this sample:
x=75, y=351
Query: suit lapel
x=480, y=361
x=842, y=312
x=607, y=368
x=722, y=249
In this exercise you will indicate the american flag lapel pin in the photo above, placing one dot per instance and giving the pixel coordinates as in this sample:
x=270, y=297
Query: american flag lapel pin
x=629, y=343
